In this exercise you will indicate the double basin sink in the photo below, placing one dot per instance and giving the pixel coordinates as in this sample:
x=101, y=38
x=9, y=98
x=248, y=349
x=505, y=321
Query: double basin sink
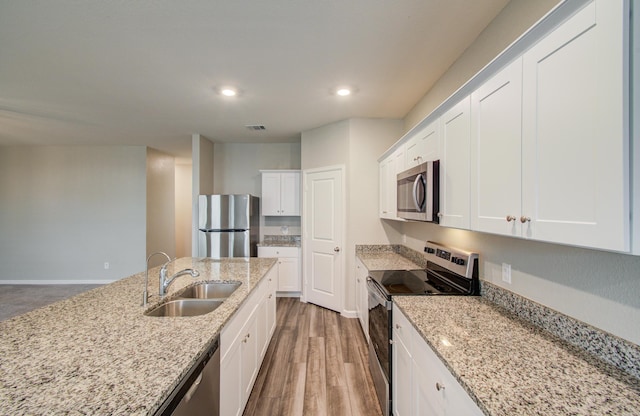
x=198, y=299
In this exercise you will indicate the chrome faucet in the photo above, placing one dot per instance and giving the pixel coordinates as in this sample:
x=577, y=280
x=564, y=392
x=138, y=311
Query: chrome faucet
x=166, y=282
x=145, y=294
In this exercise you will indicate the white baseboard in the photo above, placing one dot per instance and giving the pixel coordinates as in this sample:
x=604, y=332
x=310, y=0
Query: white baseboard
x=288, y=294
x=349, y=314
x=56, y=282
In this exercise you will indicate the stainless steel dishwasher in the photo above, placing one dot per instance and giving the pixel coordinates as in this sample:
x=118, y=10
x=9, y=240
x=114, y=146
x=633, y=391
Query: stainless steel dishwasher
x=199, y=393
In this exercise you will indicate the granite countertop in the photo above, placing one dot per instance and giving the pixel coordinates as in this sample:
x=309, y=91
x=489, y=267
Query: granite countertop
x=279, y=244
x=386, y=260
x=510, y=367
x=96, y=353
x=507, y=365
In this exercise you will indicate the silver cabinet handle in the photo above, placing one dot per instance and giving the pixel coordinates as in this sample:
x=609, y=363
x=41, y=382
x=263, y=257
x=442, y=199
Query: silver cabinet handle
x=439, y=386
x=336, y=249
x=524, y=219
x=510, y=218
x=440, y=215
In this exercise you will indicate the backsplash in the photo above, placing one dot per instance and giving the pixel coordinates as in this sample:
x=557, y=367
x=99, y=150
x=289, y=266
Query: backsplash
x=609, y=348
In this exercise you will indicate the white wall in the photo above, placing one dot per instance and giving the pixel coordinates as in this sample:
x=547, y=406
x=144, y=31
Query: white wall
x=183, y=207
x=600, y=288
x=161, y=231
x=66, y=210
x=355, y=143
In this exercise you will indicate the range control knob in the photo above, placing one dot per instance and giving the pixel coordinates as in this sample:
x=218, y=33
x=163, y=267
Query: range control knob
x=459, y=261
x=429, y=250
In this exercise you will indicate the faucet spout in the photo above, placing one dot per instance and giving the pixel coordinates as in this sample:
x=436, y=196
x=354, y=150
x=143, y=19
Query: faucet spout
x=145, y=293
x=165, y=281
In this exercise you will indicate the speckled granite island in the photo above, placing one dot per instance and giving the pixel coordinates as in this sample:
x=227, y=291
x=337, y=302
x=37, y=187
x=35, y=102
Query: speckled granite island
x=509, y=366
x=98, y=354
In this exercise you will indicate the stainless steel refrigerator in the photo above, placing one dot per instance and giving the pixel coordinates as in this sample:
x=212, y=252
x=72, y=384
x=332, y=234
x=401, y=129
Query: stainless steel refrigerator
x=229, y=225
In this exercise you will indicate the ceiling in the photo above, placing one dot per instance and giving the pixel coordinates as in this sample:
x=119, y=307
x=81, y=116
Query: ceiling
x=145, y=72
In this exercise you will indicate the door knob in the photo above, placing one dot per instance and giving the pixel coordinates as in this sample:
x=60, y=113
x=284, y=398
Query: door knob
x=337, y=249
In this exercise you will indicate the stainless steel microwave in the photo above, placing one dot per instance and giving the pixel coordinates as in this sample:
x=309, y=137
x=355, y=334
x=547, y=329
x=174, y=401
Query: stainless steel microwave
x=419, y=192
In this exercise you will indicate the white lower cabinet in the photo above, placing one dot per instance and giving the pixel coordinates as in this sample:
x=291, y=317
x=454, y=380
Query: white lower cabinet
x=422, y=384
x=362, y=297
x=288, y=275
x=243, y=344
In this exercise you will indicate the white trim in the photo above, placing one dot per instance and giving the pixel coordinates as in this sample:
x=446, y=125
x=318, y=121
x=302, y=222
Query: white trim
x=57, y=282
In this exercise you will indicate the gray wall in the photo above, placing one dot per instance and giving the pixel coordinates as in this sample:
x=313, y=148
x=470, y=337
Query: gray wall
x=237, y=165
x=66, y=210
x=600, y=288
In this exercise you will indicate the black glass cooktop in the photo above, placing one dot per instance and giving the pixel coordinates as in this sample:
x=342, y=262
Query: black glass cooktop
x=411, y=282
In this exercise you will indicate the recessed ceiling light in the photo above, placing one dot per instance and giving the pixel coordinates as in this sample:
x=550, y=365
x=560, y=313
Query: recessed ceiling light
x=228, y=91
x=343, y=92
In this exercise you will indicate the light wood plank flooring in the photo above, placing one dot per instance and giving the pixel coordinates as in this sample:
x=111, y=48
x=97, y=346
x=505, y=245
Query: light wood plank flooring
x=316, y=365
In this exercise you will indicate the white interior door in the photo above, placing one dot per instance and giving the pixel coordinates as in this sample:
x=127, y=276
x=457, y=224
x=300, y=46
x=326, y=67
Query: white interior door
x=323, y=237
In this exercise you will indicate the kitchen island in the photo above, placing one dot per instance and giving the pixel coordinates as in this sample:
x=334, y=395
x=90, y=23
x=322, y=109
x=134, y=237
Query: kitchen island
x=97, y=353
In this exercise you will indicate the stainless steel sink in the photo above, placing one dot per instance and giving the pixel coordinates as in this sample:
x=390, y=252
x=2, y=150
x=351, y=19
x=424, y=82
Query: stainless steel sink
x=210, y=290
x=185, y=307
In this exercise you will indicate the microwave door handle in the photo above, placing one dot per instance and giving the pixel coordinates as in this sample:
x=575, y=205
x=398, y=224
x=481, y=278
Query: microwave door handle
x=416, y=183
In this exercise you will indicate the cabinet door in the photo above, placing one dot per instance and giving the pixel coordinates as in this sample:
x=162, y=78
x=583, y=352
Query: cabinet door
x=423, y=147
x=362, y=297
x=496, y=137
x=397, y=166
x=290, y=194
x=455, y=129
x=575, y=140
x=385, y=191
x=250, y=355
x=270, y=194
x=231, y=390
x=401, y=385
x=288, y=275
x=271, y=307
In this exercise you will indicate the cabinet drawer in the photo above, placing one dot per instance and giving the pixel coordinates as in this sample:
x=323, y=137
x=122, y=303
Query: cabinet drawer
x=278, y=251
x=402, y=327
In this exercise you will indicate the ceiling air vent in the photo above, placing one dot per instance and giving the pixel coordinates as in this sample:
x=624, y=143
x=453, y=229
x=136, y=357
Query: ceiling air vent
x=255, y=127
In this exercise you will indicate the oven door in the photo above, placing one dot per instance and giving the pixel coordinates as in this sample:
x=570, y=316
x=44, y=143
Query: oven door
x=379, y=345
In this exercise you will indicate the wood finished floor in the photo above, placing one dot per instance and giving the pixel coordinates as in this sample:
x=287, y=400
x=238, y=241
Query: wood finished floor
x=316, y=365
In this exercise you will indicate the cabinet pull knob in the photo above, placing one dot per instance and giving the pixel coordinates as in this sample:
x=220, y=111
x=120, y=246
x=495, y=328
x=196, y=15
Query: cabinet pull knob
x=398, y=326
x=270, y=296
x=510, y=218
x=524, y=219
x=440, y=215
x=336, y=249
x=439, y=386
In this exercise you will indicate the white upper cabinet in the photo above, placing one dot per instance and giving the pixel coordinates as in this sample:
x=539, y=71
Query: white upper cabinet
x=496, y=138
x=389, y=169
x=423, y=147
x=575, y=163
x=280, y=193
x=455, y=137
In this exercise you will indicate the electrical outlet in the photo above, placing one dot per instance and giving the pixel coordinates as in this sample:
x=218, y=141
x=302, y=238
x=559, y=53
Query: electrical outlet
x=506, y=273
x=106, y=265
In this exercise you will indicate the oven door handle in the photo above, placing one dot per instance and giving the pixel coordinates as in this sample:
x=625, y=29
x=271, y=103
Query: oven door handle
x=375, y=291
